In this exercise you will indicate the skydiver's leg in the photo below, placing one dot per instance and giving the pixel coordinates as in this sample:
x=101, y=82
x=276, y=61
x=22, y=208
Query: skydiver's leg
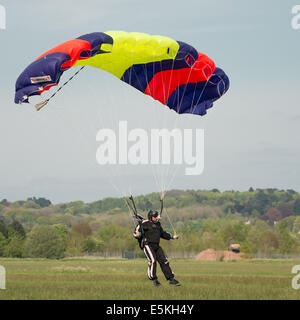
x=151, y=256
x=164, y=264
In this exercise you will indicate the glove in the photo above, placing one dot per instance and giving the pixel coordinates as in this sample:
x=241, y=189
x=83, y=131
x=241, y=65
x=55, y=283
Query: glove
x=175, y=237
x=137, y=234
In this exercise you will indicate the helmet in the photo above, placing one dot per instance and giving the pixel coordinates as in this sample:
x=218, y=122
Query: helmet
x=151, y=214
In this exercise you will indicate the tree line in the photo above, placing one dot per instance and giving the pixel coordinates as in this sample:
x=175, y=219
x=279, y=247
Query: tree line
x=263, y=221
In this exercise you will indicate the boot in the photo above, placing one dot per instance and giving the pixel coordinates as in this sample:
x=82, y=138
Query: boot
x=174, y=282
x=156, y=283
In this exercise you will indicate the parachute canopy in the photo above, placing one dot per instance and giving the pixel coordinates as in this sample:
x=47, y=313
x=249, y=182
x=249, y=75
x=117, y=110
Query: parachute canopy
x=172, y=72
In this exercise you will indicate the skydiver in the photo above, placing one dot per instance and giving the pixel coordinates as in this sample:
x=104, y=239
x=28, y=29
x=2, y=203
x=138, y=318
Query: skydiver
x=149, y=232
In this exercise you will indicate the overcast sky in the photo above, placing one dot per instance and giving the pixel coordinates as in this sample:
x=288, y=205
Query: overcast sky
x=251, y=135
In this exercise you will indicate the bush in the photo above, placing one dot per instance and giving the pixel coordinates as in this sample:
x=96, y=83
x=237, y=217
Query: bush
x=16, y=229
x=3, y=243
x=3, y=229
x=45, y=242
x=83, y=229
x=91, y=244
x=15, y=248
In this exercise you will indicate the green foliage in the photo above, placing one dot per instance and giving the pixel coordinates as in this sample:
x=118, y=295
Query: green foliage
x=3, y=229
x=15, y=229
x=30, y=204
x=287, y=243
x=5, y=203
x=296, y=207
x=15, y=248
x=117, y=239
x=41, y=202
x=82, y=229
x=143, y=204
x=296, y=225
x=92, y=244
x=75, y=244
x=204, y=219
x=45, y=242
x=239, y=231
x=3, y=244
x=112, y=231
x=268, y=242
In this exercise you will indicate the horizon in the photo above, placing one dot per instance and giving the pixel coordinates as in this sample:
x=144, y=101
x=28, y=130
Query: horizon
x=147, y=194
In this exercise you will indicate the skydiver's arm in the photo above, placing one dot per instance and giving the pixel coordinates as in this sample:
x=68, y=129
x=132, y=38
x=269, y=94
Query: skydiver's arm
x=137, y=232
x=165, y=235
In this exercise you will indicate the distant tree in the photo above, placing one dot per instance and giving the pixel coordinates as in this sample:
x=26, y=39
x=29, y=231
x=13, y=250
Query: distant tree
x=285, y=211
x=62, y=230
x=286, y=197
x=239, y=231
x=287, y=243
x=261, y=201
x=77, y=207
x=144, y=204
x=282, y=226
x=251, y=245
x=261, y=225
x=3, y=244
x=23, y=216
x=15, y=205
x=112, y=231
x=254, y=213
x=15, y=248
x=91, y=244
x=45, y=242
x=270, y=190
x=116, y=239
x=17, y=228
x=251, y=189
x=5, y=203
x=83, y=229
x=296, y=225
x=268, y=241
x=30, y=204
x=200, y=197
x=273, y=214
x=42, y=202
x=296, y=207
x=3, y=229
x=289, y=222
x=239, y=207
x=226, y=232
x=75, y=244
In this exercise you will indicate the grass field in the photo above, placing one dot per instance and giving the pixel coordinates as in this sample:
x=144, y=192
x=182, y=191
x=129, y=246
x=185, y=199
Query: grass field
x=120, y=279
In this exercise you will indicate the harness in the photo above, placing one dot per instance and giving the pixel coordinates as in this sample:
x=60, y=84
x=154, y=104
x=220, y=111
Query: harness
x=139, y=218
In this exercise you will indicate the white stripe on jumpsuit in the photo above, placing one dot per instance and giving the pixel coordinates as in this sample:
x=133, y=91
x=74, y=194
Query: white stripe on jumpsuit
x=151, y=261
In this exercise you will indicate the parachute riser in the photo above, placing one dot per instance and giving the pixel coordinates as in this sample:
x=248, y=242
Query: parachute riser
x=42, y=104
x=133, y=208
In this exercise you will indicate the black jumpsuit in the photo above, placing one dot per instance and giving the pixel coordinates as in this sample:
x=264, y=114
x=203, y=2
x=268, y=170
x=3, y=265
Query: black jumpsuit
x=151, y=233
